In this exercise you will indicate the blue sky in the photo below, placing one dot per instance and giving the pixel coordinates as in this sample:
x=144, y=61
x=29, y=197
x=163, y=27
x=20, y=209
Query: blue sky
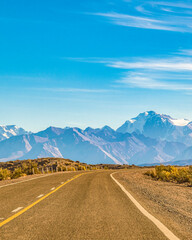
x=93, y=62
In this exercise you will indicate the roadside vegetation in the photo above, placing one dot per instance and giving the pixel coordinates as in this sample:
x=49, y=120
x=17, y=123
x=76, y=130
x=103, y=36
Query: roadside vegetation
x=18, y=168
x=171, y=174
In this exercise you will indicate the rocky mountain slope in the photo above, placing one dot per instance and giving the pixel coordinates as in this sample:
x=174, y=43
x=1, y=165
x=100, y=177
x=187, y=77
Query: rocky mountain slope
x=149, y=138
x=9, y=131
x=159, y=126
x=91, y=146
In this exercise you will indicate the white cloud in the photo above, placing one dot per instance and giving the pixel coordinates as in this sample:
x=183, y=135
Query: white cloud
x=168, y=16
x=173, y=4
x=187, y=52
x=141, y=9
x=174, y=64
x=115, y=15
x=168, y=73
x=142, y=22
x=173, y=73
x=167, y=10
x=143, y=80
x=73, y=90
x=171, y=64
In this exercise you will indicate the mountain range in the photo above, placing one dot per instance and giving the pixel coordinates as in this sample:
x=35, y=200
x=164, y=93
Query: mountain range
x=149, y=138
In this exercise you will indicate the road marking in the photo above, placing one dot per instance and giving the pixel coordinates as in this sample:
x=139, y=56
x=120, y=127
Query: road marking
x=1, y=219
x=17, y=209
x=40, y=196
x=52, y=188
x=36, y=202
x=61, y=182
x=160, y=225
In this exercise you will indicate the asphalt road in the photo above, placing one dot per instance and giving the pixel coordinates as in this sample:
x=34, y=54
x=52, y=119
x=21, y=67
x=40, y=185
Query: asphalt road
x=91, y=206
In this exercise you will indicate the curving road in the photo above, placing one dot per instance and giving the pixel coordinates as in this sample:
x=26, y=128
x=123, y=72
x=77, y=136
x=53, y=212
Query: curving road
x=91, y=206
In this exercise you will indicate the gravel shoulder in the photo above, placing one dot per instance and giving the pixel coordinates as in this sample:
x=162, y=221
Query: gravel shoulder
x=169, y=202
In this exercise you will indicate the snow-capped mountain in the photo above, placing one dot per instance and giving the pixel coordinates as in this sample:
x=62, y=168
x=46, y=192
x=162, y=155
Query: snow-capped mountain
x=9, y=131
x=54, y=142
x=146, y=139
x=91, y=146
x=159, y=126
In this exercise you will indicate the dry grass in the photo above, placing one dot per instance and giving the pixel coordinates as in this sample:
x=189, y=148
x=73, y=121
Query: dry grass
x=171, y=174
x=17, y=169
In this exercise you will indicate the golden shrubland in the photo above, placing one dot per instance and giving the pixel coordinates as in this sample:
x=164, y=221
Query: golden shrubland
x=171, y=174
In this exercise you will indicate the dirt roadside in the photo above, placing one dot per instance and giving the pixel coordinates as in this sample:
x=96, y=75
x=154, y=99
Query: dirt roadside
x=170, y=203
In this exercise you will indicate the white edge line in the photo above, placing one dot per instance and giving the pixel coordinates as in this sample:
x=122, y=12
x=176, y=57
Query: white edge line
x=160, y=225
x=53, y=188
x=17, y=209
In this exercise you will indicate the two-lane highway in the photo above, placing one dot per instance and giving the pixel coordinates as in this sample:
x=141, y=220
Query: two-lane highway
x=91, y=206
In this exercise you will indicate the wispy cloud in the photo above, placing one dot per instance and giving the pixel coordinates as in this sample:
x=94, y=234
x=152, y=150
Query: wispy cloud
x=173, y=4
x=167, y=16
x=150, y=81
x=141, y=9
x=167, y=10
x=186, y=52
x=172, y=73
x=73, y=90
x=34, y=80
x=144, y=22
x=172, y=64
x=162, y=74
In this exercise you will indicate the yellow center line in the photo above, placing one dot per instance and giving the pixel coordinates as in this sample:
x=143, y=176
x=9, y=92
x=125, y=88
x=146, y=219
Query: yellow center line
x=36, y=202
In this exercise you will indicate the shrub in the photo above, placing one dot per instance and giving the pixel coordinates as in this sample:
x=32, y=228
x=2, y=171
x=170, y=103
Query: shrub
x=17, y=173
x=171, y=174
x=4, y=174
x=71, y=169
x=83, y=168
x=64, y=168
